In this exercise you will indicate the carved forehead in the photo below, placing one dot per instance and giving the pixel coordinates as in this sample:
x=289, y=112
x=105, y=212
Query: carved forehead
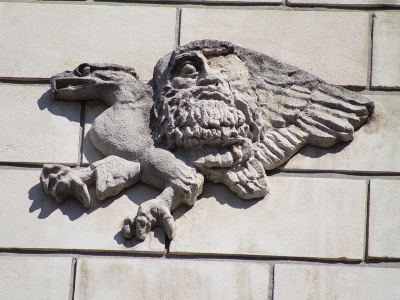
x=204, y=48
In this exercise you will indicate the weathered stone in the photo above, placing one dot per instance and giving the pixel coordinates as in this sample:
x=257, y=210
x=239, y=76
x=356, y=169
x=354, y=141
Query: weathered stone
x=118, y=278
x=39, y=40
x=331, y=45
x=384, y=219
x=35, y=277
x=93, y=110
x=301, y=217
x=35, y=129
x=352, y=3
x=386, y=50
x=227, y=112
x=374, y=148
x=335, y=282
x=30, y=219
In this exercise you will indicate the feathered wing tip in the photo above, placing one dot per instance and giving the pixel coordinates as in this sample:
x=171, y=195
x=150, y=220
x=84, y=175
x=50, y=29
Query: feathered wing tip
x=333, y=114
x=297, y=108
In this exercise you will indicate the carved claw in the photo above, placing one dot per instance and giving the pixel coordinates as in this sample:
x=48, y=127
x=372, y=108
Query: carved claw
x=62, y=182
x=150, y=214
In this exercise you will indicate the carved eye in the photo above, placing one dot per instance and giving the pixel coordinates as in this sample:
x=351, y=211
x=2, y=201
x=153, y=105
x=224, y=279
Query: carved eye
x=86, y=71
x=188, y=69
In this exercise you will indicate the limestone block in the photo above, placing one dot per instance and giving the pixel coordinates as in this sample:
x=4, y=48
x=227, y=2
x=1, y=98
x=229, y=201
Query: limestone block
x=41, y=40
x=300, y=217
x=36, y=129
x=331, y=45
x=135, y=278
x=386, y=50
x=353, y=3
x=384, y=219
x=32, y=219
x=35, y=277
x=335, y=282
x=374, y=148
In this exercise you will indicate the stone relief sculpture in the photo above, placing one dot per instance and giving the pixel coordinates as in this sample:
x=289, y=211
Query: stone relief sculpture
x=213, y=111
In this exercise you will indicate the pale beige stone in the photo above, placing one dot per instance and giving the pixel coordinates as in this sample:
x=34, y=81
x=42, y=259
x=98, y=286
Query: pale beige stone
x=384, y=219
x=300, y=217
x=335, y=282
x=352, y=3
x=386, y=50
x=35, y=277
x=135, y=278
x=36, y=129
x=33, y=220
x=331, y=45
x=374, y=148
x=93, y=110
x=40, y=40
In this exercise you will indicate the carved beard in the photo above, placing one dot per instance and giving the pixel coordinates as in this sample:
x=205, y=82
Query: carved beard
x=202, y=115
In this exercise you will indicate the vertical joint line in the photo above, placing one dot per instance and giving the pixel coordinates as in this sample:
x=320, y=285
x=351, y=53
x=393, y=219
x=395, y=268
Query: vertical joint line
x=367, y=212
x=167, y=244
x=271, y=282
x=370, y=49
x=178, y=27
x=82, y=132
x=72, y=280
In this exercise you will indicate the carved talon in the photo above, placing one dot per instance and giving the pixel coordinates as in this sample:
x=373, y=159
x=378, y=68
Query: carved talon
x=128, y=227
x=150, y=214
x=62, y=182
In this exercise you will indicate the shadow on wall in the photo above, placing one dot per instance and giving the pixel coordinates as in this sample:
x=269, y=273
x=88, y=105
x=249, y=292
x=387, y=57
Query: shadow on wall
x=70, y=207
x=315, y=152
x=222, y=195
x=58, y=107
x=74, y=209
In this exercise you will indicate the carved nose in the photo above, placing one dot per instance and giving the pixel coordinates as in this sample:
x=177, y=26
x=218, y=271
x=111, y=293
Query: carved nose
x=210, y=79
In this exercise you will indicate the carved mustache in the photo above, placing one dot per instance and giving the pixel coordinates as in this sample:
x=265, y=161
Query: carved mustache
x=199, y=93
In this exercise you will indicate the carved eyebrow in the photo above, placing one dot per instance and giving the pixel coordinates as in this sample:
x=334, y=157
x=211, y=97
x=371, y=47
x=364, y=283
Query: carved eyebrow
x=185, y=57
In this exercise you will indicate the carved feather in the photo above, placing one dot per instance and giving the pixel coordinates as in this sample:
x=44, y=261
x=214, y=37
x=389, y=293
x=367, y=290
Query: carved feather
x=297, y=108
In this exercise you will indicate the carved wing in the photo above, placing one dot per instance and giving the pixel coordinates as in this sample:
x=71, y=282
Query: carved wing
x=297, y=108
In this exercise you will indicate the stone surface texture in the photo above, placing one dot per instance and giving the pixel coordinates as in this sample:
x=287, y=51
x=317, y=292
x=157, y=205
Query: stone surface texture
x=227, y=112
x=30, y=219
x=55, y=138
x=386, y=50
x=77, y=33
x=346, y=2
x=329, y=227
x=384, y=219
x=93, y=110
x=301, y=217
x=335, y=282
x=134, y=278
x=331, y=45
x=35, y=277
x=373, y=150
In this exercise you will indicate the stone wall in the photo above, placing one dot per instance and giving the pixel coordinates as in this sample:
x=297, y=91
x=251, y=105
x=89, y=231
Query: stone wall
x=329, y=229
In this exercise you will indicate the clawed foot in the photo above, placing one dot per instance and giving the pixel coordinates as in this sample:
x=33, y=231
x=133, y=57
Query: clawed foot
x=62, y=182
x=150, y=214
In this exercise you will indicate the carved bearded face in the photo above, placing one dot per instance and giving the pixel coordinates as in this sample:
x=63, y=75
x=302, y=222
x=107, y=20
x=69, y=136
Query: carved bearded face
x=206, y=99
